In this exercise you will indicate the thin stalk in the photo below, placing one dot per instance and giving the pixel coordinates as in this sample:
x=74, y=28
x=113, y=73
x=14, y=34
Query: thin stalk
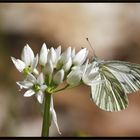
x=61, y=89
x=46, y=115
x=66, y=87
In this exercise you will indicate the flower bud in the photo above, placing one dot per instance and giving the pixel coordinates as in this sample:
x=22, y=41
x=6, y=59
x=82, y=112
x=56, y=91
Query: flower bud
x=40, y=79
x=58, y=51
x=80, y=57
x=52, y=56
x=73, y=52
x=49, y=68
x=43, y=55
x=74, y=77
x=65, y=55
x=58, y=77
x=27, y=55
x=68, y=65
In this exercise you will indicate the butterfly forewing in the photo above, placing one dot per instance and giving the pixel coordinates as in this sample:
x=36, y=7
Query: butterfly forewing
x=109, y=95
x=128, y=74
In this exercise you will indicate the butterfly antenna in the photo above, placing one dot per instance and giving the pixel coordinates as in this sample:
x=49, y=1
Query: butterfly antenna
x=91, y=47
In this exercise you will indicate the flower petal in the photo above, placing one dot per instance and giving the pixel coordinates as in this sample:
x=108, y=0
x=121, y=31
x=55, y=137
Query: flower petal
x=54, y=116
x=24, y=84
x=35, y=71
x=30, y=53
x=20, y=65
x=43, y=87
x=34, y=63
x=31, y=78
x=58, y=77
x=43, y=55
x=40, y=79
x=40, y=96
x=29, y=93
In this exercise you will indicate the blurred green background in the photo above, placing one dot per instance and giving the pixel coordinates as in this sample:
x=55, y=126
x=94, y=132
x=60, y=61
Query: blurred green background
x=113, y=30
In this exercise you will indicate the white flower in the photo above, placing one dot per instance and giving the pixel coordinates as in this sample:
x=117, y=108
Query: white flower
x=80, y=57
x=57, y=68
x=43, y=55
x=28, y=63
x=58, y=77
x=53, y=114
x=34, y=86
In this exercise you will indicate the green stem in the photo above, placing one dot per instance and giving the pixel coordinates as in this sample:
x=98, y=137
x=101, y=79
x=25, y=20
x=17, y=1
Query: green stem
x=66, y=87
x=46, y=115
x=61, y=89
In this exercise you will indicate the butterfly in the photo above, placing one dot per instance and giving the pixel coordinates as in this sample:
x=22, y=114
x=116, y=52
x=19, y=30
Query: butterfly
x=118, y=78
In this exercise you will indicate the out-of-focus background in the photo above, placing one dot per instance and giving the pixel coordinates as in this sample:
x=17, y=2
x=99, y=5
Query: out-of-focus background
x=113, y=30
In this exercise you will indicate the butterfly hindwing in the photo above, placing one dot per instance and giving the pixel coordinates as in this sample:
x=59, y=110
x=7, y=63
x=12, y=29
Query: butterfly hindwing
x=109, y=95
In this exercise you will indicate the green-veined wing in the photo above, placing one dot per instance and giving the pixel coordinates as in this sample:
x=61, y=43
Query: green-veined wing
x=128, y=74
x=109, y=95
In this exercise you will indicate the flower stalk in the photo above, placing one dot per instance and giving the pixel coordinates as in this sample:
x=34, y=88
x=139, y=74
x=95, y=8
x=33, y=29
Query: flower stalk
x=46, y=115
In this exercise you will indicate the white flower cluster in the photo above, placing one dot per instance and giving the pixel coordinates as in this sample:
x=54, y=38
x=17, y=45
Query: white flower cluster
x=54, y=68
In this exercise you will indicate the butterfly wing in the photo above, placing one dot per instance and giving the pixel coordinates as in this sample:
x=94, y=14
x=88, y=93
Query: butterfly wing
x=128, y=74
x=109, y=95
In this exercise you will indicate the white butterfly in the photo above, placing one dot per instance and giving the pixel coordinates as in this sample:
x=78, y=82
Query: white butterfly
x=118, y=79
